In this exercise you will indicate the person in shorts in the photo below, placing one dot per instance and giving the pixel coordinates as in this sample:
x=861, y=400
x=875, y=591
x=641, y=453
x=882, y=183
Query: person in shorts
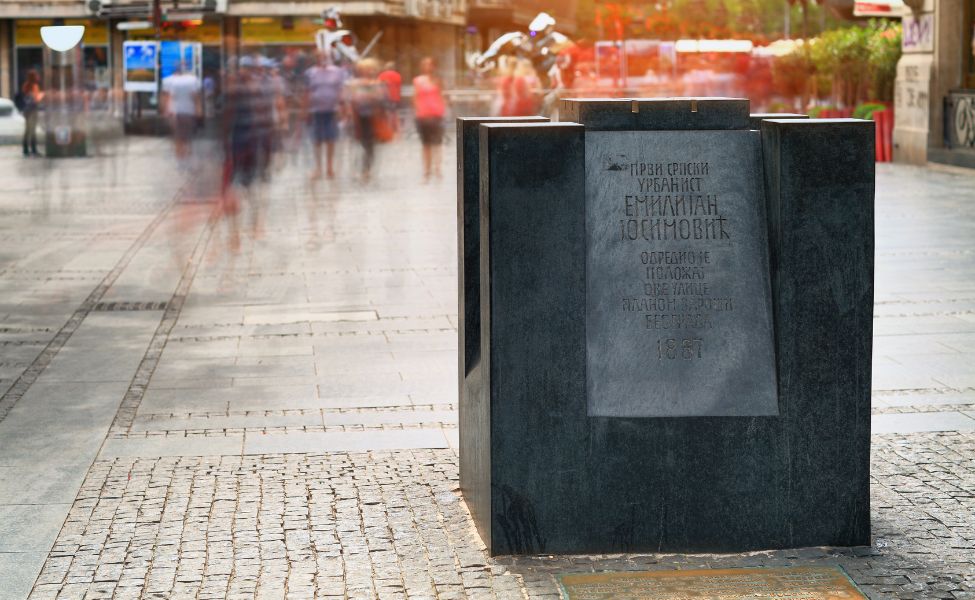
x=324, y=83
x=183, y=104
x=429, y=108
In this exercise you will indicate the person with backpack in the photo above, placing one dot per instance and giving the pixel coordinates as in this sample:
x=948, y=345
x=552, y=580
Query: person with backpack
x=29, y=104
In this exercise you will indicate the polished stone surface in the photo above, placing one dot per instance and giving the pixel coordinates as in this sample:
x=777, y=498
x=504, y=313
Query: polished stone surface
x=679, y=310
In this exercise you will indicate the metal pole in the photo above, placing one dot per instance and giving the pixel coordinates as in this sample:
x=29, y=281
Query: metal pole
x=157, y=18
x=157, y=25
x=786, y=26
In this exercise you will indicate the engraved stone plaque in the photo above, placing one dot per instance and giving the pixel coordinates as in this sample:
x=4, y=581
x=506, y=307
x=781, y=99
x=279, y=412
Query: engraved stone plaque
x=805, y=583
x=679, y=308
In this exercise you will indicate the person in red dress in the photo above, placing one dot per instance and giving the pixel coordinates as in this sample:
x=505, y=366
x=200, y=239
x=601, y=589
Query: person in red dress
x=394, y=86
x=429, y=108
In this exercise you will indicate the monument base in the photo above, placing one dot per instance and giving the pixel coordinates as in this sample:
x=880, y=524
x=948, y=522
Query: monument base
x=547, y=476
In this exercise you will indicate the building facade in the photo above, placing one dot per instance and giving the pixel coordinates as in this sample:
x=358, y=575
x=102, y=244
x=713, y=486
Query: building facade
x=934, y=94
x=403, y=31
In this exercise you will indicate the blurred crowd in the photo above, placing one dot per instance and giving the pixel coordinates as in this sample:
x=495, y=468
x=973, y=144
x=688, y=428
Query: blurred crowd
x=266, y=107
x=273, y=110
x=270, y=107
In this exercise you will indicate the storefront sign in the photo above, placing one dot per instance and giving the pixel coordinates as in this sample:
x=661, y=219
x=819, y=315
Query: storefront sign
x=27, y=32
x=878, y=8
x=141, y=67
x=273, y=30
x=918, y=34
x=205, y=33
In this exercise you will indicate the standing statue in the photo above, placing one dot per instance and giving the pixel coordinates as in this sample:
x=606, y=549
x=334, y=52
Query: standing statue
x=335, y=41
x=541, y=45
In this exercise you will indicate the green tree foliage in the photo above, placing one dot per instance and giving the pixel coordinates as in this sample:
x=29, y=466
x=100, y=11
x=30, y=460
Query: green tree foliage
x=885, y=51
x=794, y=76
x=849, y=65
x=758, y=20
x=843, y=56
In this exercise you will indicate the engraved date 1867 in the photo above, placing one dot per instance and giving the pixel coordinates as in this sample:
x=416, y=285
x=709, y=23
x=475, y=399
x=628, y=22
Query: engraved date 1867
x=686, y=349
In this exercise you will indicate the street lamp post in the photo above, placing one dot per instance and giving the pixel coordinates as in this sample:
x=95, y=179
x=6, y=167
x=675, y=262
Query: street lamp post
x=62, y=136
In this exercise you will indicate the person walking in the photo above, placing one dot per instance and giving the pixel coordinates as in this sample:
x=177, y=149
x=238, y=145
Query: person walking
x=394, y=93
x=323, y=97
x=429, y=108
x=367, y=101
x=182, y=102
x=30, y=105
x=521, y=90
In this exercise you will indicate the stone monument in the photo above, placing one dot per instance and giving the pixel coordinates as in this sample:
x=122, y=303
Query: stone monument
x=674, y=335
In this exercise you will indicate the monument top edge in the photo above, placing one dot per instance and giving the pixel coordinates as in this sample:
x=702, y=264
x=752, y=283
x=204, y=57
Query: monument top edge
x=531, y=124
x=486, y=120
x=647, y=114
x=658, y=99
x=805, y=122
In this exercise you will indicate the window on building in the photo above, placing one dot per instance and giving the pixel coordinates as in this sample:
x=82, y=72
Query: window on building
x=28, y=59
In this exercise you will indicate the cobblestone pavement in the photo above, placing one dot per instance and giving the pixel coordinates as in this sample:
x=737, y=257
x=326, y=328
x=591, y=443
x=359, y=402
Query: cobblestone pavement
x=391, y=525
x=198, y=406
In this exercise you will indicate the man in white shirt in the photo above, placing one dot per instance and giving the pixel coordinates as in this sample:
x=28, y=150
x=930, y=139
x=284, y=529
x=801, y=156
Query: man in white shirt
x=182, y=103
x=324, y=84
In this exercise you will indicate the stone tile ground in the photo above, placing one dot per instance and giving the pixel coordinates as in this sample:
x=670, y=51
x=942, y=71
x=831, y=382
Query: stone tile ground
x=392, y=525
x=265, y=406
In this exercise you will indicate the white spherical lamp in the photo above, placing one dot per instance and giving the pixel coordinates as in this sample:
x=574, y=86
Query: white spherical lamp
x=62, y=38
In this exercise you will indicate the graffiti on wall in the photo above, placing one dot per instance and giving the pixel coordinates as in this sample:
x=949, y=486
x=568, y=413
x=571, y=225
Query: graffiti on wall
x=912, y=99
x=963, y=117
x=918, y=33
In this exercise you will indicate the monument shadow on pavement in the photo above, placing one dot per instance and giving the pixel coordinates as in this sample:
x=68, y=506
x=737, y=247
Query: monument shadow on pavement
x=675, y=329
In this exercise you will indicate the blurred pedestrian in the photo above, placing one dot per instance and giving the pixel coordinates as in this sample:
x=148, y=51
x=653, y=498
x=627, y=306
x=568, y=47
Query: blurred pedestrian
x=183, y=105
x=269, y=96
x=293, y=75
x=523, y=91
x=429, y=108
x=503, y=85
x=394, y=92
x=394, y=83
x=367, y=101
x=324, y=85
x=29, y=104
x=242, y=137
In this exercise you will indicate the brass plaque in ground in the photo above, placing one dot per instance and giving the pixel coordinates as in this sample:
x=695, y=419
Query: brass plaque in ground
x=794, y=583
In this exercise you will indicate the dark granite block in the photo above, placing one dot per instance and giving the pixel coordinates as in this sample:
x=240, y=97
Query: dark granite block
x=533, y=303
x=660, y=114
x=468, y=244
x=820, y=182
x=472, y=402
x=545, y=477
x=755, y=119
x=598, y=113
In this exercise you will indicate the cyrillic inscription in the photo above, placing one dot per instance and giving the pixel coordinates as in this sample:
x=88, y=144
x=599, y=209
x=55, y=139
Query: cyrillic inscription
x=679, y=311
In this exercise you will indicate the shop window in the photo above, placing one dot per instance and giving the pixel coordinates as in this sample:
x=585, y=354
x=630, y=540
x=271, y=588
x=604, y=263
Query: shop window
x=97, y=74
x=27, y=59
